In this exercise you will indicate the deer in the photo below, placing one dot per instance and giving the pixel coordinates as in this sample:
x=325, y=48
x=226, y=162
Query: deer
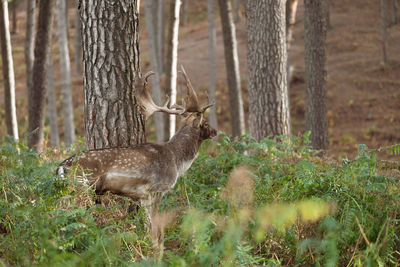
x=145, y=172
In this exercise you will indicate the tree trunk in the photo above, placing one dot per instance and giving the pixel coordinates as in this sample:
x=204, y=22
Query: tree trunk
x=267, y=84
x=171, y=64
x=183, y=12
x=150, y=15
x=160, y=35
x=232, y=68
x=29, y=41
x=77, y=43
x=110, y=37
x=52, y=103
x=315, y=72
x=328, y=14
x=384, y=31
x=65, y=73
x=395, y=12
x=8, y=72
x=14, y=28
x=212, y=64
x=39, y=75
x=291, y=8
x=236, y=7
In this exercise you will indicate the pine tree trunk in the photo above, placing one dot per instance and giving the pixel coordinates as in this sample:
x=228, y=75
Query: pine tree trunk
x=77, y=43
x=183, y=12
x=291, y=8
x=171, y=64
x=267, y=84
x=37, y=94
x=8, y=72
x=52, y=103
x=160, y=35
x=395, y=12
x=212, y=64
x=65, y=73
x=29, y=41
x=110, y=37
x=232, y=68
x=384, y=31
x=14, y=28
x=315, y=72
x=236, y=7
x=150, y=11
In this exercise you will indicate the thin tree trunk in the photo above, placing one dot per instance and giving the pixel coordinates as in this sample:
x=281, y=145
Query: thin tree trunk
x=328, y=14
x=77, y=43
x=395, y=12
x=66, y=16
x=315, y=73
x=212, y=64
x=384, y=31
x=156, y=88
x=29, y=41
x=160, y=35
x=232, y=68
x=267, y=83
x=291, y=8
x=236, y=7
x=39, y=74
x=8, y=72
x=65, y=73
x=171, y=63
x=183, y=12
x=110, y=38
x=52, y=103
x=14, y=27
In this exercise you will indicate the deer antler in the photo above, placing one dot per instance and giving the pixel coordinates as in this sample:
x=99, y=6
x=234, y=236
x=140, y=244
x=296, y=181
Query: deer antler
x=193, y=105
x=193, y=102
x=146, y=102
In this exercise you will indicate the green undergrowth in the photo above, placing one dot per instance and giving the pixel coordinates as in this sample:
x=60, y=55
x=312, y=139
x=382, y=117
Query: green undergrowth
x=242, y=203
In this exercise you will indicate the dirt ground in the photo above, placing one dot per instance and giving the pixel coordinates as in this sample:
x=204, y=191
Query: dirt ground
x=363, y=95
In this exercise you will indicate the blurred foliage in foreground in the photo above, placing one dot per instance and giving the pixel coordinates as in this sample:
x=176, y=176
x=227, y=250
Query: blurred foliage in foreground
x=242, y=203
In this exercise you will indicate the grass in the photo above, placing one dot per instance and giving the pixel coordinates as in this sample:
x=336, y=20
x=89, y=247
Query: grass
x=242, y=203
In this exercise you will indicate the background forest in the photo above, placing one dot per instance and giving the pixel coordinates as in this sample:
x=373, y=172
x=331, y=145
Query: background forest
x=245, y=201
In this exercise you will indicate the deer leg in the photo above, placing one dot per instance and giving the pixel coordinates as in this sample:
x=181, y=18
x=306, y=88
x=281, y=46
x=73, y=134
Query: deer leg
x=151, y=205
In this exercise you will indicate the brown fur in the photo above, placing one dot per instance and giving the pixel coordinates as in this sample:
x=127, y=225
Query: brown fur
x=147, y=171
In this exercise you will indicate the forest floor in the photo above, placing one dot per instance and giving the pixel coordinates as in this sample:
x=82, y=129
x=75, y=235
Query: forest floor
x=363, y=95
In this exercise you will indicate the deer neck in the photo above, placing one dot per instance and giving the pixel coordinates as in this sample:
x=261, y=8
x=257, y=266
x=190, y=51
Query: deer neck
x=185, y=145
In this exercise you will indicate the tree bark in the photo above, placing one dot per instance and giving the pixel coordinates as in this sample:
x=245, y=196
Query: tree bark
x=39, y=74
x=395, y=12
x=52, y=103
x=183, y=12
x=291, y=8
x=65, y=73
x=171, y=64
x=150, y=15
x=8, y=72
x=160, y=35
x=14, y=28
x=212, y=64
x=232, y=68
x=110, y=37
x=77, y=43
x=267, y=58
x=315, y=72
x=384, y=31
x=236, y=7
x=29, y=42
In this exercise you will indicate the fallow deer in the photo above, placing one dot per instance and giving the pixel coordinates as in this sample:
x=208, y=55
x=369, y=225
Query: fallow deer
x=145, y=172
